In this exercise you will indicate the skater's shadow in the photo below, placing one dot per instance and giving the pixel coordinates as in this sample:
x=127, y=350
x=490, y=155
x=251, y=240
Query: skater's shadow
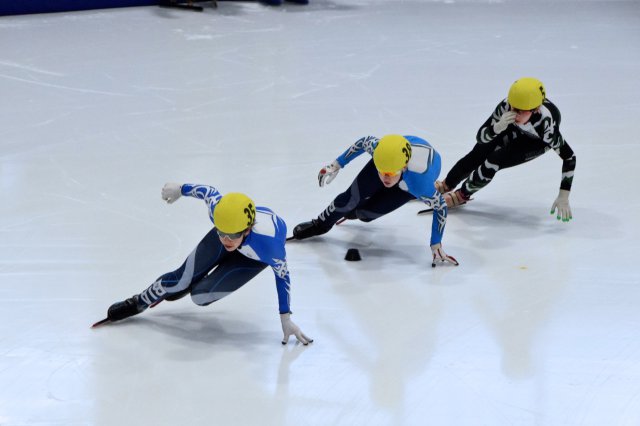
x=225, y=8
x=481, y=220
x=200, y=328
x=482, y=214
x=315, y=5
x=237, y=8
x=528, y=221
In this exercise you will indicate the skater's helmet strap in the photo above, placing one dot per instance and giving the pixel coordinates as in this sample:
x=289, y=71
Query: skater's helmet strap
x=392, y=154
x=235, y=212
x=526, y=94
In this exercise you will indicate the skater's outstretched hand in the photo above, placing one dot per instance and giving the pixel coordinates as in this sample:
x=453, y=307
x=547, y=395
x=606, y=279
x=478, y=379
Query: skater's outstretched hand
x=290, y=328
x=440, y=257
x=171, y=192
x=562, y=205
x=328, y=173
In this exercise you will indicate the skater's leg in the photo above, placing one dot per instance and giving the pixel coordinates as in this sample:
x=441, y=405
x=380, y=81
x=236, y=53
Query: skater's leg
x=381, y=203
x=365, y=185
x=466, y=165
x=515, y=152
x=231, y=274
x=173, y=285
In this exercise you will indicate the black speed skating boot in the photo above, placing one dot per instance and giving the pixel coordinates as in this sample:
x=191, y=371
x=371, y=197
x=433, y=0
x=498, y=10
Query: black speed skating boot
x=308, y=229
x=125, y=309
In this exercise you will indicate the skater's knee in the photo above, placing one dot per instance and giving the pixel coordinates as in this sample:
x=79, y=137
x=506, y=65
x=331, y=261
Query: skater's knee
x=205, y=299
x=199, y=299
x=364, y=216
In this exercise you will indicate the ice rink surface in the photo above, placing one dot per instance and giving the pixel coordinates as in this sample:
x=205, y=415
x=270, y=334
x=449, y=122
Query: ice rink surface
x=539, y=325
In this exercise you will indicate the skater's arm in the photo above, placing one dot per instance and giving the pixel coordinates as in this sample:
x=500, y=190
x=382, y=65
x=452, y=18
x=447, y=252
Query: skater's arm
x=367, y=143
x=487, y=131
x=437, y=203
x=208, y=194
x=439, y=256
x=278, y=262
x=565, y=152
x=283, y=284
x=439, y=218
x=424, y=189
x=268, y=239
x=560, y=206
x=330, y=171
x=203, y=192
x=277, y=259
x=271, y=250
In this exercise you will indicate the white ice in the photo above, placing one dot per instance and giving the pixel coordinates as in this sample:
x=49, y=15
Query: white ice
x=539, y=325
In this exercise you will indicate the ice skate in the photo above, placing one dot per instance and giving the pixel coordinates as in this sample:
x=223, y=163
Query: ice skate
x=308, y=229
x=125, y=309
x=455, y=198
x=442, y=187
x=121, y=310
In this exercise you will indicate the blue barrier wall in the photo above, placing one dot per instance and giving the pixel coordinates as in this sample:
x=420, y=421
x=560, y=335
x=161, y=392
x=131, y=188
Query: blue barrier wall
x=20, y=7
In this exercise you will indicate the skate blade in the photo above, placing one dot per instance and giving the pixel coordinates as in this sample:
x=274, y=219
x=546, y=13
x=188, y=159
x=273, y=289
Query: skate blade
x=99, y=323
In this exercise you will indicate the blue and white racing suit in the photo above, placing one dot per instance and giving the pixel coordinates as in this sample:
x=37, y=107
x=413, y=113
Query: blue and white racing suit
x=367, y=198
x=210, y=272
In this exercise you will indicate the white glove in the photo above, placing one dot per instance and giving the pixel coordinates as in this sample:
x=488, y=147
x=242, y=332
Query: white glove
x=506, y=119
x=289, y=328
x=328, y=173
x=562, y=204
x=439, y=256
x=171, y=192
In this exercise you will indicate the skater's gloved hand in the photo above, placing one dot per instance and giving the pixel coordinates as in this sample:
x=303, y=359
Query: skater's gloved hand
x=328, y=173
x=171, y=192
x=504, y=121
x=289, y=328
x=440, y=257
x=562, y=205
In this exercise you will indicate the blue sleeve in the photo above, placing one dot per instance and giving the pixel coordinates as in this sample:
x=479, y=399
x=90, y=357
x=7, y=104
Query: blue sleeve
x=279, y=266
x=208, y=194
x=283, y=286
x=367, y=143
x=439, y=219
x=422, y=185
x=267, y=239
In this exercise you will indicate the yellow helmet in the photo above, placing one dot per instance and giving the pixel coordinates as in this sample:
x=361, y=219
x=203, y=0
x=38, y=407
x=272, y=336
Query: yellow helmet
x=526, y=94
x=234, y=213
x=392, y=154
